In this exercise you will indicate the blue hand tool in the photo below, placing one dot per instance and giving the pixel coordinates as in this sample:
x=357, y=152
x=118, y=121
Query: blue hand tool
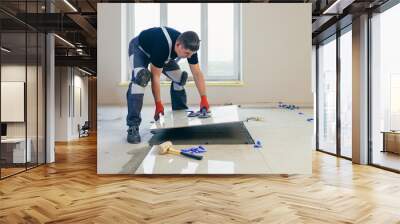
x=195, y=150
x=258, y=144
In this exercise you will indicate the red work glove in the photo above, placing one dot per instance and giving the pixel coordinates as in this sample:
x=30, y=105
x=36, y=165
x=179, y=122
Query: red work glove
x=204, y=103
x=159, y=110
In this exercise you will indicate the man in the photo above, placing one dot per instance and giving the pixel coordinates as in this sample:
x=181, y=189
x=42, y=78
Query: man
x=161, y=47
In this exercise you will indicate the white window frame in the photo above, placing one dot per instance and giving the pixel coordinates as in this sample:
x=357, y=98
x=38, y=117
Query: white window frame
x=237, y=50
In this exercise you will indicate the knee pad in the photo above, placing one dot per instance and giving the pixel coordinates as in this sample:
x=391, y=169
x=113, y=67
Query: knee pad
x=174, y=72
x=184, y=78
x=178, y=77
x=142, y=77
x=180, y=85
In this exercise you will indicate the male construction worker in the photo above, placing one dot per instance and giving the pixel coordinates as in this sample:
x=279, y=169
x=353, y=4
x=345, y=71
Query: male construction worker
x=161, y=47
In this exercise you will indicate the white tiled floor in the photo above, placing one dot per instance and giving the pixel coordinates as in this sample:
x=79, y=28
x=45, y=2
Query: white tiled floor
x=219, y=159
x=114, y=154
x=286, y=137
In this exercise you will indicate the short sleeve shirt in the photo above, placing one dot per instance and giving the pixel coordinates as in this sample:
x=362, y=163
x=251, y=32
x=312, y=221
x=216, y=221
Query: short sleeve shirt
x=154, y=42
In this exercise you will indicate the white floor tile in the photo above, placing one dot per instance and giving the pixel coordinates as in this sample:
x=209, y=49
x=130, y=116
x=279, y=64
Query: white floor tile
x=219, y=159
x=178, y=119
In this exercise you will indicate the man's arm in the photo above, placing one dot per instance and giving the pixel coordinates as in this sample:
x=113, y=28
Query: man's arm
x=155, y=82
x=155, y=88
x=198, y=77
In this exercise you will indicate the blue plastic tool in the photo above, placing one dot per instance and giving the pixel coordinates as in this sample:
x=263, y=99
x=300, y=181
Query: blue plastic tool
x=288, y=106
x=203, y=113
x=192, y=113
x=200, y=114
x=258, y=145
x=195, y=150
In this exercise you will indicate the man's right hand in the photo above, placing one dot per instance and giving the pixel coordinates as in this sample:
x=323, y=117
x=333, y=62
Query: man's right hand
x=159, y=110
x=204, y=103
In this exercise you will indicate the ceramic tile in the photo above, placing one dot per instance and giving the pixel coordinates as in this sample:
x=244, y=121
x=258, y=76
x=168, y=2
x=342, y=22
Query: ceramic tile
x=178, y=119
x=286, y=137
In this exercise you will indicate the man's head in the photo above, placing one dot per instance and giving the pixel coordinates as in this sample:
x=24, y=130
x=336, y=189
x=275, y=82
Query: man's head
x=187, y=44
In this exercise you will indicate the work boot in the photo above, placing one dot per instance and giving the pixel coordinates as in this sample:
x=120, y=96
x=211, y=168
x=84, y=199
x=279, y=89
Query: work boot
x=133, y=135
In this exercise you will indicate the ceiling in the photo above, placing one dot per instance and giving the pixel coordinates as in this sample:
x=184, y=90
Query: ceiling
x=76, y=22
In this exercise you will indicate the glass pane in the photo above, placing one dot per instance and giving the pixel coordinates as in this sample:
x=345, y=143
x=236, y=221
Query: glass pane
x=13, y=86
x=140, y=16
x=14, y=6
x=220, y=40
x=185, y=17
x=394, y=101
x=346, y=93
x=42, y=6
x=147, y=15
x=386, y=89
x=327, y=97
x=9, y=24
x=31, y=98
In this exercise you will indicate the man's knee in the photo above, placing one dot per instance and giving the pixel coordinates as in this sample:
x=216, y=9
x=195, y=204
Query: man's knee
x=178, y=77
x=179, y=82
x=184, y=77
x=141, y=76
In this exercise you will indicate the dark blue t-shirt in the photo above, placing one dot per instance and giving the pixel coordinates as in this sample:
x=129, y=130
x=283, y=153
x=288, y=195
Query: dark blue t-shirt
x=153, y=41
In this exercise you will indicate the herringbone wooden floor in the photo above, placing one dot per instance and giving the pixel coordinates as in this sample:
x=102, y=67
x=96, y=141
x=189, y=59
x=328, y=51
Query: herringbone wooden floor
x=70, y=191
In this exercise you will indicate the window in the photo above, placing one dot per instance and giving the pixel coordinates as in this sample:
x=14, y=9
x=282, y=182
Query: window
x=22, y=76
x=327, y=96
x=335, y=107
x=185, y=17
x=146, y=16
x=216, y=24
x=385, y=88
x=346, y=93
x=221, y=49
x=394, y=101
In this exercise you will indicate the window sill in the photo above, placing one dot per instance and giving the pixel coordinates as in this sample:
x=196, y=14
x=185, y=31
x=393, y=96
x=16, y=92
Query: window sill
x=191, y=83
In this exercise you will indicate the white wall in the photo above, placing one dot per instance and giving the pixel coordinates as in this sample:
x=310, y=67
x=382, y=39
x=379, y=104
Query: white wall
x=80, y=84
x=109, y=57
x=68, y=81
x=276, y=57
x=61, y=103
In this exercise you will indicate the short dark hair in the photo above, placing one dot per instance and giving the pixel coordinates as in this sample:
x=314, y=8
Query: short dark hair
x=190, y=40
